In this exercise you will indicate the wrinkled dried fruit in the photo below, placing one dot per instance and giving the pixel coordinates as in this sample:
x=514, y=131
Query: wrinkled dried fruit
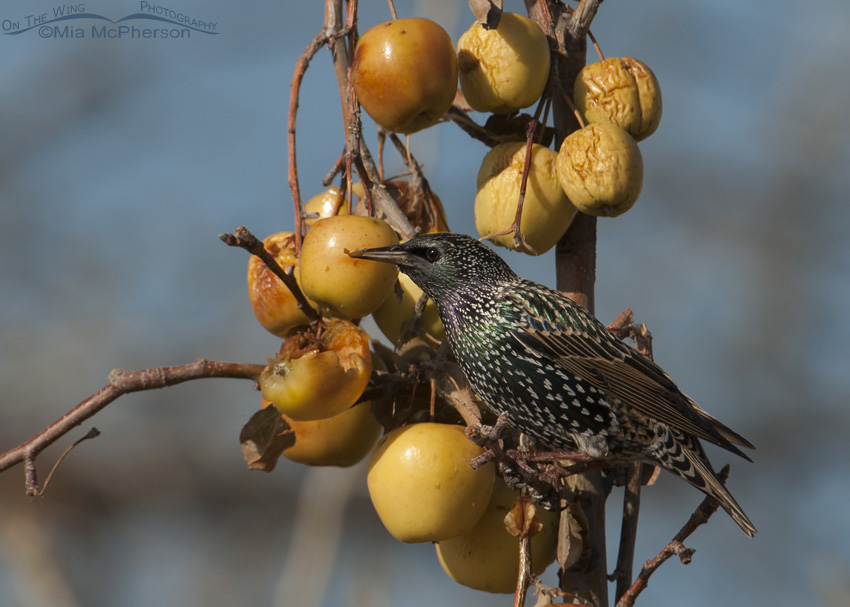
x=546, y=210
x=600, y=169
x=316, y=377
x=622, y=91
x=350, y=287
x=274, y=305
x=505, y=69
x=487, y=557
x=405, y=73
x=422, y=486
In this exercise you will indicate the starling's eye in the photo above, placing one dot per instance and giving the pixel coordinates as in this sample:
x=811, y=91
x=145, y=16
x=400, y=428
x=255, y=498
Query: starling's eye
x=432, y=254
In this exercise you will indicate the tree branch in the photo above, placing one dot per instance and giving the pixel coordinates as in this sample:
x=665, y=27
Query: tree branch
x=243, y=239
x=120, y=382
x=675, y=547
x=575, y=269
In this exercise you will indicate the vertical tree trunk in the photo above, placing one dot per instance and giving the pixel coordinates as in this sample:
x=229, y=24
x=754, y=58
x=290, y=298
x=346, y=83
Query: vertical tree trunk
x=575, y=268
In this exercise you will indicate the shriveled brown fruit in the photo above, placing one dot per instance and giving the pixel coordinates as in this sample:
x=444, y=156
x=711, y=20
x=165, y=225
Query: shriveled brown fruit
x=273, y=303
x=319, y=376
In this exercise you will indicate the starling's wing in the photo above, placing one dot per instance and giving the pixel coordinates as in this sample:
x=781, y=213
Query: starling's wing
x=568, y=336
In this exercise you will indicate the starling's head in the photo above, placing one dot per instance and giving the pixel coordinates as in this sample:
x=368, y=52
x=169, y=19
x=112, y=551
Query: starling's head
x=445, y=263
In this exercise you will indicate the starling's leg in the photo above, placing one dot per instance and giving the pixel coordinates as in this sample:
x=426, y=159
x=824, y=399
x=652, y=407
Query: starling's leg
x=487, y=437
x=549, y=456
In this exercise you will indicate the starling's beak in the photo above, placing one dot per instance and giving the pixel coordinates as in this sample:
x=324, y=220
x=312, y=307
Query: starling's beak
x=393, y=254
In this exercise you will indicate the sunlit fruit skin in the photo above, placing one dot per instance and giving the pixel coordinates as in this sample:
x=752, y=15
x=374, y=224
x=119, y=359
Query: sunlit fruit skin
x=405, y=73
x=622, y=91
x=487, y=556
x=422, y=486
x=601, y=170
x=273, y=303
x=317, y=378
x=546, y=210
x=349, y=287
x=505, y=69
x=392, y=315
x=341, y=440
x=325, y=204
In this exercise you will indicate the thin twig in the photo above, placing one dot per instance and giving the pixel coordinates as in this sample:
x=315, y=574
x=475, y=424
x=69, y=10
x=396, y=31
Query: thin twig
x=357, y=154
x=524, y=575
x=301, y=66
x=567, y=99
x=243, y=239
x=335, y=170
x=519, y=239
x=392, y=9
x=595, y=45
x=120, y=383
x=93, y=433
x=623, y=326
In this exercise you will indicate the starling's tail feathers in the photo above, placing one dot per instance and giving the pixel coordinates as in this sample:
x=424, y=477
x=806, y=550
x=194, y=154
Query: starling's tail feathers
x=690, y=463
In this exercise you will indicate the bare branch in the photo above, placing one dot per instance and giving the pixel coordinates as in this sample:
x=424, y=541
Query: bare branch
x=243, y=239
x=120, y=382
x=675, y=547
x=628, y=530
x=579, y=22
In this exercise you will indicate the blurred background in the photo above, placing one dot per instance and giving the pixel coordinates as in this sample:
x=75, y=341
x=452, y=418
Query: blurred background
x=121, y=160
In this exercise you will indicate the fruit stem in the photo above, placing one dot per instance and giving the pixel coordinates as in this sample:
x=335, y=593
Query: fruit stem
x=519, y=239
x=595, y=45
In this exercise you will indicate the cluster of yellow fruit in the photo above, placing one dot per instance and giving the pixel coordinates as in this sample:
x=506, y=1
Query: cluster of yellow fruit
x=419, y=479
x=598, y=169
x=405, y=75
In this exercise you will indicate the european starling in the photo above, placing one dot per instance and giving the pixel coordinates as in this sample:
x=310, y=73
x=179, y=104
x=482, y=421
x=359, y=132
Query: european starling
x=555, y=372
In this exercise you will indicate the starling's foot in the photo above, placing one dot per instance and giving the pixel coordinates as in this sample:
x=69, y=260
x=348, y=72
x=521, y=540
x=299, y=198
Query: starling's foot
x=542, y=492
x=488, y=456
x=483, y=435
